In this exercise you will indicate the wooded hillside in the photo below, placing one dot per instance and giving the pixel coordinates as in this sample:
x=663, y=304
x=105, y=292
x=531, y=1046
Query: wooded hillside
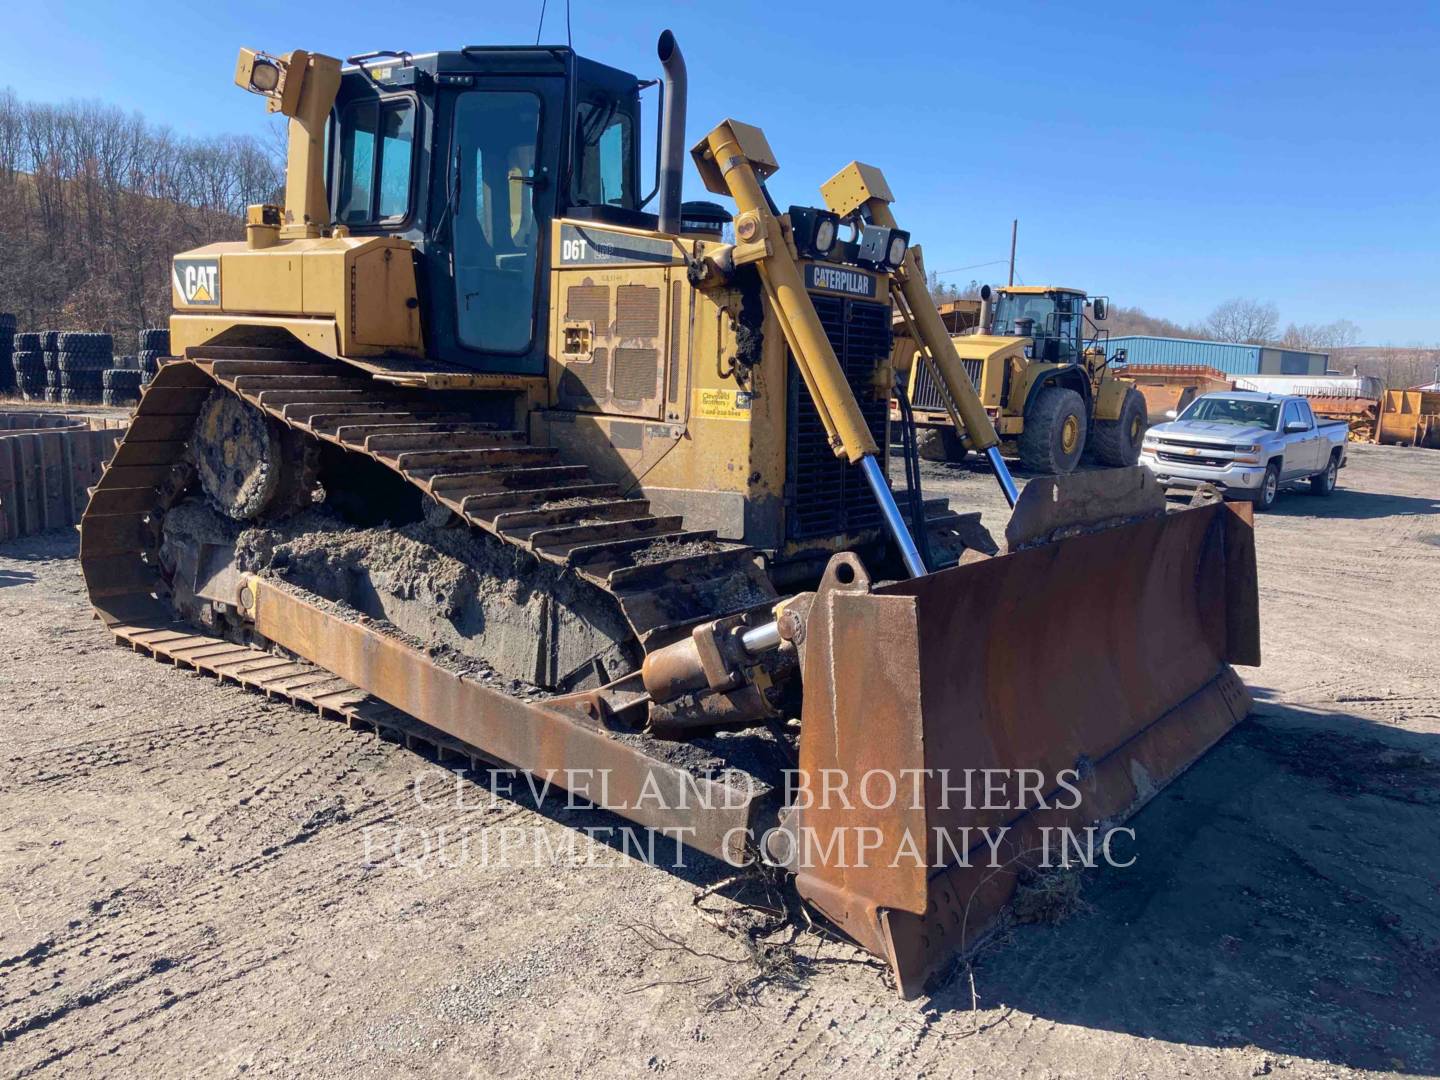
x=95, y=201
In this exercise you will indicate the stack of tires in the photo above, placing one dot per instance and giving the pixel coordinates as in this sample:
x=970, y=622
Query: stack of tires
x=8, y=383
x=50, y=344
x=121, y=385
x=82, y=360
x=28, y=362
x=154, y=343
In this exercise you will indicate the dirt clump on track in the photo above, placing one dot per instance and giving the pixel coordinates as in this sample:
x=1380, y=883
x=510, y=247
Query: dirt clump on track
x=199, y=881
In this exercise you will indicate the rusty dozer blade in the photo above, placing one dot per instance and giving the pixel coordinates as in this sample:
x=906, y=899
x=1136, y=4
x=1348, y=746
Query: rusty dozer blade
x=1085, y=673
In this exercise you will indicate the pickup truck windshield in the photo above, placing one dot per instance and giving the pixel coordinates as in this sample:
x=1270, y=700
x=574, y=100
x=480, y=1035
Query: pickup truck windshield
x=1241, y=413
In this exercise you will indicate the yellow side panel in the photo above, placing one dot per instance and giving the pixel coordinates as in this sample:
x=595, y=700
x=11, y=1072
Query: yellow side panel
x=267, y=282
x=189, y=331
x=324, y=273
x=384, y=310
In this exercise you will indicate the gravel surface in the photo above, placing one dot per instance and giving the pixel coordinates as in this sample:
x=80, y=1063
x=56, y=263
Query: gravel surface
x=197, y=881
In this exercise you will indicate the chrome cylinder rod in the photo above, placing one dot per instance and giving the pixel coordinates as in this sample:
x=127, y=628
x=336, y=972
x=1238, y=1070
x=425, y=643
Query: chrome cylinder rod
x=1002, y=473
x=762, y=638
x=893, y=521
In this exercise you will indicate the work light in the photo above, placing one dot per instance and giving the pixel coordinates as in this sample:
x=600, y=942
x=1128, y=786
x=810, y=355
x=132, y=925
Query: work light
x=264, y=76
x=895, y=252
x=814, y=231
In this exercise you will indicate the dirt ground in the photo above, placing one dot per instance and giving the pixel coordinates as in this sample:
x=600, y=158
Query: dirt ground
x=196, y=881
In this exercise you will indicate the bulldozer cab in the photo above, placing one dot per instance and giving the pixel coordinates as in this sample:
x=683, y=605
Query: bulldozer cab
x=469, y=155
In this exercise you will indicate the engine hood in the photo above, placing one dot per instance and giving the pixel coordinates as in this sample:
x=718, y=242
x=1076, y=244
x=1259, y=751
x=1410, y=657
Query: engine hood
x=1211, y=432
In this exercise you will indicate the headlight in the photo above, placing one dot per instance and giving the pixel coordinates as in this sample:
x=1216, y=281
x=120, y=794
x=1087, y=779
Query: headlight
x=264, y=77
x=899, y=244
x=814, y=231
x=1247, y=455
x=825, y=235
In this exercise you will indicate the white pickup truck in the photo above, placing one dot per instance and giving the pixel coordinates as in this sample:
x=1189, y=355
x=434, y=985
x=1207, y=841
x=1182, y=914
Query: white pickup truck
x=1248, y=445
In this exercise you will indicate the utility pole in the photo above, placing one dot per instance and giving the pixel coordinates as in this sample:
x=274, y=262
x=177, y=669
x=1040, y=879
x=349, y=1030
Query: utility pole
x=1014, y=228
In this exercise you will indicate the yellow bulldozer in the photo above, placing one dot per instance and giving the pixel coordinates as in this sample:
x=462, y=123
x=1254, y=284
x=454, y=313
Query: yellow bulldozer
x=1040, y=366
x=463, y=444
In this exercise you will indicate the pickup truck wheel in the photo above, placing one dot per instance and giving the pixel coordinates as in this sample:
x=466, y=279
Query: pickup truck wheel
x=1323, y=483
x=1269, y=488
x=1117, y=442
x=1054, y=435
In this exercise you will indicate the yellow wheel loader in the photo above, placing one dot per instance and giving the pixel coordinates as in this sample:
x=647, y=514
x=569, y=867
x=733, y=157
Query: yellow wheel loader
x=463, y=445
x=1039, y=365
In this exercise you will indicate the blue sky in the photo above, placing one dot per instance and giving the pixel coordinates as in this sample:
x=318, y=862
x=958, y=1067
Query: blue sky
x=1167, y=155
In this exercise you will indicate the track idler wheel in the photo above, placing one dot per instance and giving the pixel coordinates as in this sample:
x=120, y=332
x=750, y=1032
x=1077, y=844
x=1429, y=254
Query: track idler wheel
x=247, y=463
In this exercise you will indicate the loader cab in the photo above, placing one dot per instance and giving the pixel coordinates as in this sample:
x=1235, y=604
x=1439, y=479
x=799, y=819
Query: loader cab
x=1053, y=318
x=470, y=156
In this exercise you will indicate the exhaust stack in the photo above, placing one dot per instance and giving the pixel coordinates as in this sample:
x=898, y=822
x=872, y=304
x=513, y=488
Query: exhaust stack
x=672, y=133
x=987, y=310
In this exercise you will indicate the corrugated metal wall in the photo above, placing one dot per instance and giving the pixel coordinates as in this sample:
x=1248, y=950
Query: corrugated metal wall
x=1292, y=362
x=1231, y=359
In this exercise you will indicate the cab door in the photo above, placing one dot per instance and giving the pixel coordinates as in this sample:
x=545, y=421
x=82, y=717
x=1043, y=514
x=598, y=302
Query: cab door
x=500, y=195
x=1319, y=448
x=1299, y=445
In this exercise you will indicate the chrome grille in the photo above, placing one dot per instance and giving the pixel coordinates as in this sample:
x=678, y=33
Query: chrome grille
x=927, y=393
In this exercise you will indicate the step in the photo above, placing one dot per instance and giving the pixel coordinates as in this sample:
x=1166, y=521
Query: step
x=530, y=498
x=520, y=524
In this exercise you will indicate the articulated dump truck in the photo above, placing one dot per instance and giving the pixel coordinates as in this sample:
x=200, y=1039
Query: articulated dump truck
x=462, y=442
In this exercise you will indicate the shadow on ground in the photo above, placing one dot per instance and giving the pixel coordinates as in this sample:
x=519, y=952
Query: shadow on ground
x=15, y=577
x=1350, y=503
x=1286, y=895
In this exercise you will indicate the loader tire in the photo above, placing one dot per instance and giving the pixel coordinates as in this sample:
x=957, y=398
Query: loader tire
x=940, y=444
x=1054, y=436
x=1117, y=442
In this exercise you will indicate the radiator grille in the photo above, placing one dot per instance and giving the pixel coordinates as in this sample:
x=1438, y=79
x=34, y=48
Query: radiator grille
x=584, y=384
x=637, y=374
x=928, y=394
x=828, y=496
x=637, y=311
x=589, y=303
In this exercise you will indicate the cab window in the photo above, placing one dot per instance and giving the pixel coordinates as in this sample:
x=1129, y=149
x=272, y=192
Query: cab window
x=497, y=236
x=377, y=143
x=604, y=147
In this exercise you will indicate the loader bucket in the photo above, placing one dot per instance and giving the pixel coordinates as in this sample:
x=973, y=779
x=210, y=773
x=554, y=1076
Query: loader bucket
x=1101, y=660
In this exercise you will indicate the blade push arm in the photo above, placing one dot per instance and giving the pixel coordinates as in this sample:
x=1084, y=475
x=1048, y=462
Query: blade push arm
x=734, y=159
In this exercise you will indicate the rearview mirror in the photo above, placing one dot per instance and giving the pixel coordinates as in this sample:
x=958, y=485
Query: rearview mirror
x=1295, y=426
x=1171, y=414
x=1099, y=307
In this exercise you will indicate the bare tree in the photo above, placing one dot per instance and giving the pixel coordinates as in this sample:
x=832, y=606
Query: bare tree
x=1124, y=321
x=95, y=201
x=1340, y=334
x=1241, y=319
